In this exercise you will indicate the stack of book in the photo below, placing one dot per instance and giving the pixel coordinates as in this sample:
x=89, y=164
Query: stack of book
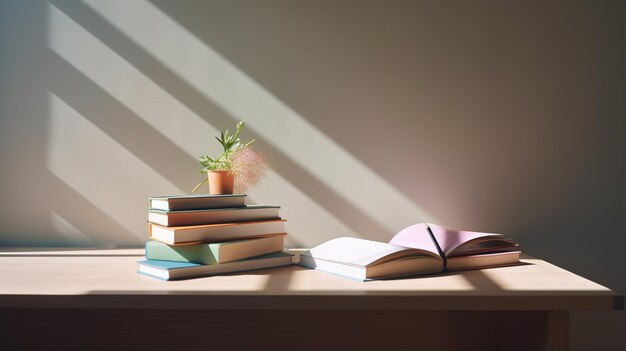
x=202, y=235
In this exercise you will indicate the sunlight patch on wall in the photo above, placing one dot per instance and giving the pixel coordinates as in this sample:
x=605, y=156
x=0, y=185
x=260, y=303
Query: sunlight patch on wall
x=69, y=232
x=314, y=223
x=128, y=85
x=176, y=123
x=100, y=169
x=231, y=89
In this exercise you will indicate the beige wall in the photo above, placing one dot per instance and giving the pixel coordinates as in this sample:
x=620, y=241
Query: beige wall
x=495, y=116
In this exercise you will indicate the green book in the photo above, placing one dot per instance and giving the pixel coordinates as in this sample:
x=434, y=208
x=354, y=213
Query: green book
x=215, y=253
x=168, y=270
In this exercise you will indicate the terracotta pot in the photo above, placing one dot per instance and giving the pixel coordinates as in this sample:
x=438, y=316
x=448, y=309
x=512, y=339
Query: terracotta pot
x=221, y=182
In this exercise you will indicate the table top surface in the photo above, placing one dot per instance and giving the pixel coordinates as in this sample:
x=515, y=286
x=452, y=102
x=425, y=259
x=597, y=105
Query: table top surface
x=108, y=278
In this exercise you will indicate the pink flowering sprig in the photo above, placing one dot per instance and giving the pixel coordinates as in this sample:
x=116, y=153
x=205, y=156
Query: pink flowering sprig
x=237, y=158
x=248, y=166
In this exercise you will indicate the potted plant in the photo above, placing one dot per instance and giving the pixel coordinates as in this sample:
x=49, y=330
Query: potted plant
x=237, y=168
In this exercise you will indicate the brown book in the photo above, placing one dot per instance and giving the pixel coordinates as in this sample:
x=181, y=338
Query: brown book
x=215, y=232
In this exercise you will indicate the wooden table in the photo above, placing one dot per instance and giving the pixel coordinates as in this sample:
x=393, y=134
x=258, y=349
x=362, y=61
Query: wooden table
x=94, y=299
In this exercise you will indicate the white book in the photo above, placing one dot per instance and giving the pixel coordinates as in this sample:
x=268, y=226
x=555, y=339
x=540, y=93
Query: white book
x=362, y=259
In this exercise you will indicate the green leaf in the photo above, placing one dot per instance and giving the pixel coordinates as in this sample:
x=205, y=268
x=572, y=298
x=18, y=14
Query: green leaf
x=230, y=144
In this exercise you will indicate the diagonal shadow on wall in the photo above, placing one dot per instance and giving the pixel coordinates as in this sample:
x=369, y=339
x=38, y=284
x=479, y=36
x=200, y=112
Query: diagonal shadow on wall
x=33, y=196
x=119, y=122
x=85, y=216
x=194, y=100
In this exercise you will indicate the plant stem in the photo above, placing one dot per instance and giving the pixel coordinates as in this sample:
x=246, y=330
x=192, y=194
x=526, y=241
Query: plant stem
x=200, y=184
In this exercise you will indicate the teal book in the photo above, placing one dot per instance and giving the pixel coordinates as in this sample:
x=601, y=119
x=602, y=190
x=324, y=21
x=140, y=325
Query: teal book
x=196, y=202
x=169, y=270
x=215, y=253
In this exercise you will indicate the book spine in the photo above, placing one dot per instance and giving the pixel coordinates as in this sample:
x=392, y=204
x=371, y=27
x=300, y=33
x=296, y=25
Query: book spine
x=198, y=253
x=441, y=253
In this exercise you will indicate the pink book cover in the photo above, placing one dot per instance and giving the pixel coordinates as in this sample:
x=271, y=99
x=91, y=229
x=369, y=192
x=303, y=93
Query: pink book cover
x=417, y=236
x=449, y=239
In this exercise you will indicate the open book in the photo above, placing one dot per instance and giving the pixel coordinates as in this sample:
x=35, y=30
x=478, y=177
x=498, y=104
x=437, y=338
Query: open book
x=418, y=249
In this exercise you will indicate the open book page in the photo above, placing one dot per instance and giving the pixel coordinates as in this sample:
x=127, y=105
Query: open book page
x=416, y=236
x=449, y=239
x=354, y=251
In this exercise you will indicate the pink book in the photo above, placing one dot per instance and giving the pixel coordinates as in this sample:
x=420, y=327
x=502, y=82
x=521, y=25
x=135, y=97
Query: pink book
x=460, y=249
x=418, y=249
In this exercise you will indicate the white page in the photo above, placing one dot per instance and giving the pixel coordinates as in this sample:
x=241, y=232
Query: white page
x=352, y=251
